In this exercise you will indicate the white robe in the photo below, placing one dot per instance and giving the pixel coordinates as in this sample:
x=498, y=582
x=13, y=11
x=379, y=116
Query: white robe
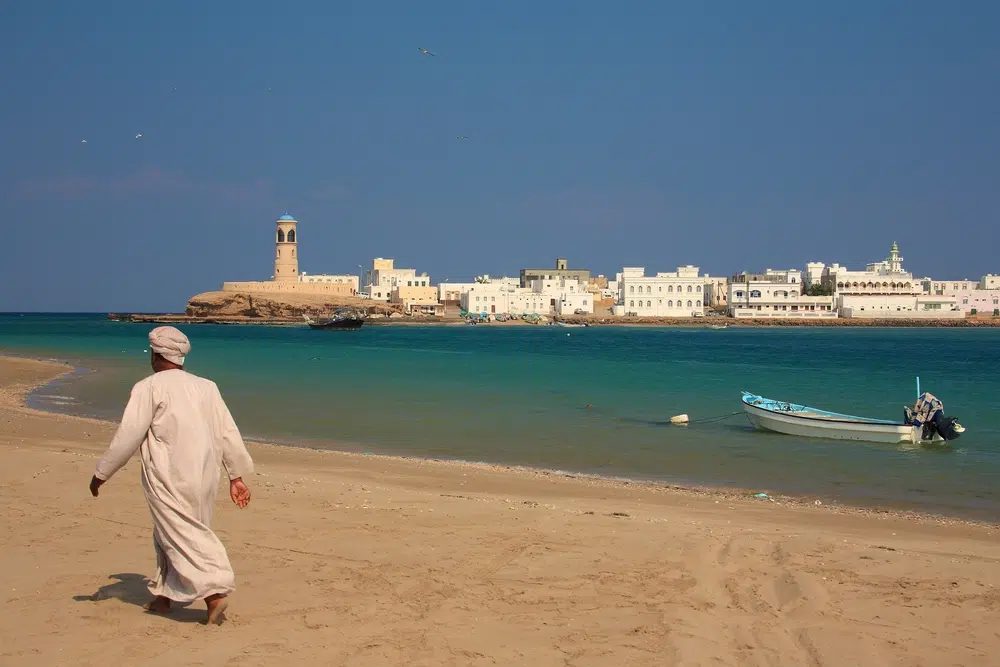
x=183, y=431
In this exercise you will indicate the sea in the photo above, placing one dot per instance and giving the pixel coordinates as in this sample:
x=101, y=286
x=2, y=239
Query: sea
x=591, y=401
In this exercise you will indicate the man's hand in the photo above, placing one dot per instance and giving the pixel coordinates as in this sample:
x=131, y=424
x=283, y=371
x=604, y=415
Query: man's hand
x=239, y=492
x=95, y=484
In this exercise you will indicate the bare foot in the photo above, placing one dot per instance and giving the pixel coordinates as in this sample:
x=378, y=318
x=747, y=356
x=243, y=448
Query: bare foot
x=160, y=605
x=217, y=605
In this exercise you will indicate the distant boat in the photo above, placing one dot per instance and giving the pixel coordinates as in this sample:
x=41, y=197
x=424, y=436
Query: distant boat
x=570, y=324
x=338, y=321
x=718, y=326
x=801, y=420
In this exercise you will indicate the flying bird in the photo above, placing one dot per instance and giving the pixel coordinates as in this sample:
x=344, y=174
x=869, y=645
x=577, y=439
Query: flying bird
x=84, y=141
x=461, y=137
x=139, y=136
x=425, y=51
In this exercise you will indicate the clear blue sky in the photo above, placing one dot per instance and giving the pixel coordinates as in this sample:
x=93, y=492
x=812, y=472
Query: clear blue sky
x=731, y=135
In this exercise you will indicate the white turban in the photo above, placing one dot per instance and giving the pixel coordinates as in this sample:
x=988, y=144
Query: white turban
x=170, y=344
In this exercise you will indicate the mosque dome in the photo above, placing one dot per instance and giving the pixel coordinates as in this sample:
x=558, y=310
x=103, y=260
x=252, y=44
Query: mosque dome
x=286, y=217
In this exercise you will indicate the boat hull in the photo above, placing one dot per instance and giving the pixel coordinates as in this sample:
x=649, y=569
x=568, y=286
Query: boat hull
x=348, y=323
x=807, y=427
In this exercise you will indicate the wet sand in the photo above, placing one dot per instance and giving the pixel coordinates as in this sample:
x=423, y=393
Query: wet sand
x=345, y=559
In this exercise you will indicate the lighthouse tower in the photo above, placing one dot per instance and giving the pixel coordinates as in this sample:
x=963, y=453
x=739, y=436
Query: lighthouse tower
x=286, y=261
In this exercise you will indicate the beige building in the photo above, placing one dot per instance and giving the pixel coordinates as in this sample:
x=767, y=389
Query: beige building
x=330, y=278
x=562, y=270
x=286, y=276
x=422, y=299
x=384, y=277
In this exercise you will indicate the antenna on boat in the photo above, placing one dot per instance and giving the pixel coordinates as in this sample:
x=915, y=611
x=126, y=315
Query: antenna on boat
x=918, y=386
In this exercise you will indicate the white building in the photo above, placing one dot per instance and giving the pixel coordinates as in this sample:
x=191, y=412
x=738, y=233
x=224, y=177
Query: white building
x=814, y=274
x=611, y=291
x=353, y=281
x=383, y=277
x=890, y=306
x=675, y=294
x=776, y=294
x=945, y=287
x=567, y=296
x=716, y=291
x=449, y=291
x=555, y=296
x=878, y=279
x=885, y=290
x=453, y=291
x=990, y=281
x=972, y=297
x=979, y=302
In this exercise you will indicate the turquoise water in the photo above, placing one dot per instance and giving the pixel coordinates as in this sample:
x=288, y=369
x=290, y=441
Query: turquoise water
x=518, y=395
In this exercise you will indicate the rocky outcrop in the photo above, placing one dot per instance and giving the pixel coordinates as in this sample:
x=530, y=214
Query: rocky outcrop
x=274, y=306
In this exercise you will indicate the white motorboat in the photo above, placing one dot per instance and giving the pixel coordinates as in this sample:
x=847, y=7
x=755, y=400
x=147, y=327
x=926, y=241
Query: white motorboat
x=802, y=420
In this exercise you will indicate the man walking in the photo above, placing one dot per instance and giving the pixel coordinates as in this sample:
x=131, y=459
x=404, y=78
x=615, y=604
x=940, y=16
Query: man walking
x=183, y=431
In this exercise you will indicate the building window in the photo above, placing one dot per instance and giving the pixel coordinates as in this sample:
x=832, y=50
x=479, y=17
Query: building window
x=689, y=303
x=698, y=303
x=689, y=289
x=281, y=236
x=649, y=289
x=631, y=304
x=754, y=294
x=698, y=288
x=649, y=304
x=670, y=288
x=631, y=289
x=291, y=236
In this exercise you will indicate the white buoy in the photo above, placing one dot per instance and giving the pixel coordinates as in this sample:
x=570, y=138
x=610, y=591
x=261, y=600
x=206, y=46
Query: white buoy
x=679, y=419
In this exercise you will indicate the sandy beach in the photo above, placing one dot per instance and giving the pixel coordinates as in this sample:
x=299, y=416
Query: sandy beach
x=345, y=559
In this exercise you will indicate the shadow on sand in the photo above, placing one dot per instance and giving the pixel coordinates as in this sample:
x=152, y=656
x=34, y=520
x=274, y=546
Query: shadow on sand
x=132, y=588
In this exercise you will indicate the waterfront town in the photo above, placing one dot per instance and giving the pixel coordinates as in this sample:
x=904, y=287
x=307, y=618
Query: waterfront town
x=882, y=291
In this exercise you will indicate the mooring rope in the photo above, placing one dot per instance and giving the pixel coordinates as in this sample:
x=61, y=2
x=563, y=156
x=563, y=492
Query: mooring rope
x=706, y=420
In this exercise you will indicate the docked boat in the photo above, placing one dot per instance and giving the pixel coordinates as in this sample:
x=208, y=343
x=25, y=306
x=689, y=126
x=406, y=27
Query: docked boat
x=338, y=321
x=925, y=423
x=718, y=326
x=571, y=325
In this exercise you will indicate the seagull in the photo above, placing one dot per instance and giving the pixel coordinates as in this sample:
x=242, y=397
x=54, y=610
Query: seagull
x=84, y=141
x=461, y=137
x=425, y=51
x=139, y=136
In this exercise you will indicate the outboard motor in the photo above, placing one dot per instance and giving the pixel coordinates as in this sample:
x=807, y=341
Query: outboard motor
x=928, y=413
x=947, y=427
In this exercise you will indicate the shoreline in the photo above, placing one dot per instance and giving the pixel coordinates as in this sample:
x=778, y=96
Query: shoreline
x=610, y=321
x=351, y=559
x=692, y=489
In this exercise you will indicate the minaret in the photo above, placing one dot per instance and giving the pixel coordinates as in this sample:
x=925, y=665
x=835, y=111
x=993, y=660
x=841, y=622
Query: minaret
x=286, y=261
x=895, y=261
